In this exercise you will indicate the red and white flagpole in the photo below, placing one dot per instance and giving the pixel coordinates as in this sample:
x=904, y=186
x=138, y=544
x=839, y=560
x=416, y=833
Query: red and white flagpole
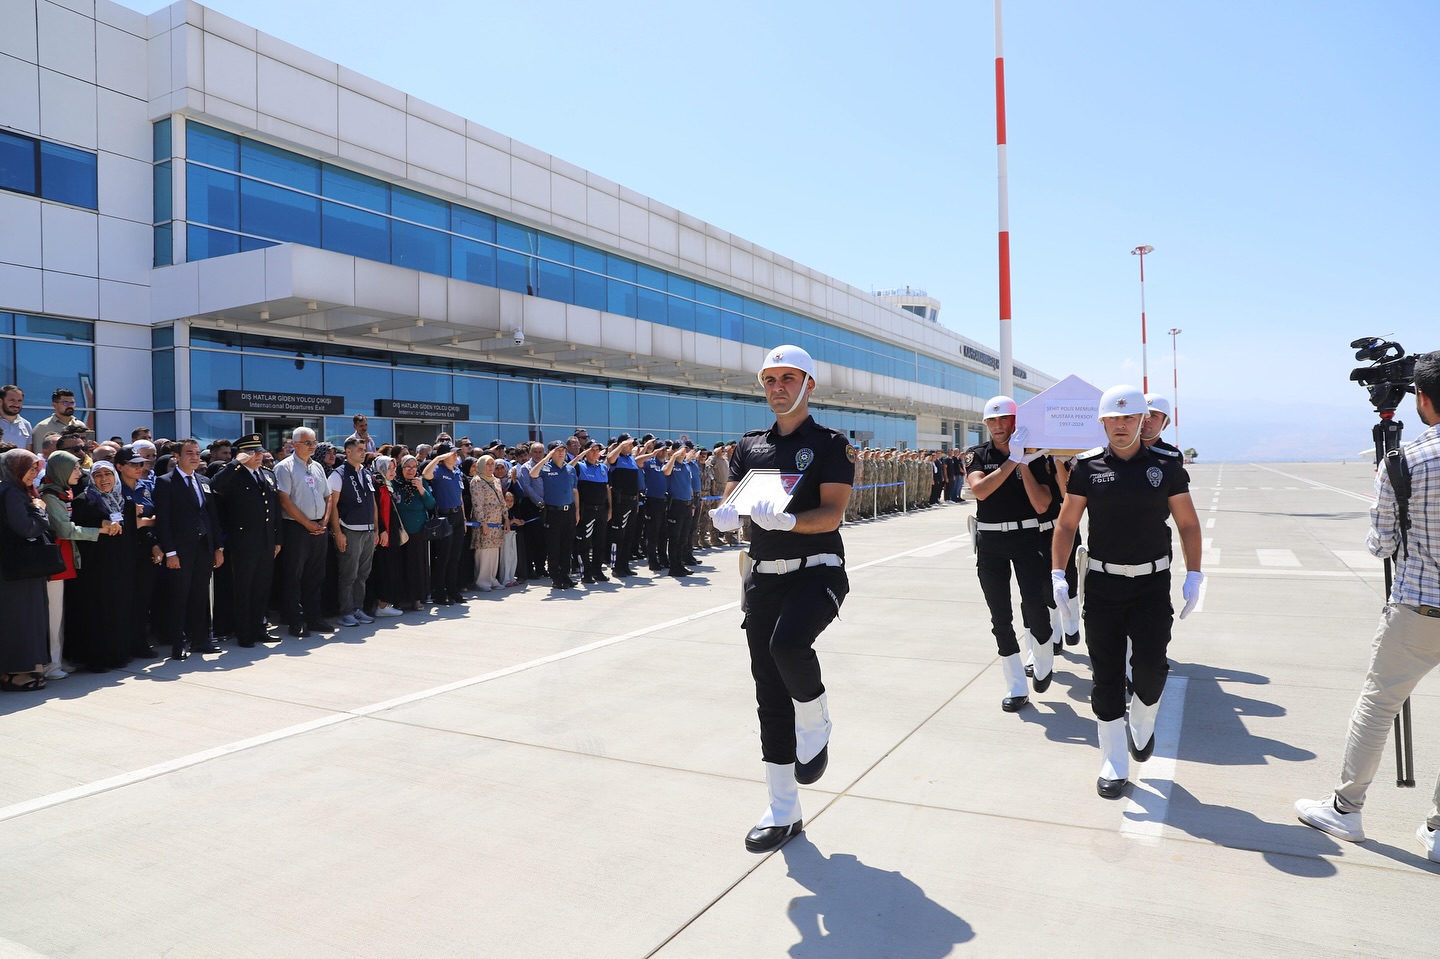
x=1007, y=366
x=1140, y=251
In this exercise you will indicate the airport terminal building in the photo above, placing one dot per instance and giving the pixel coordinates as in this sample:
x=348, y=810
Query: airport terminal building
x=209, y=231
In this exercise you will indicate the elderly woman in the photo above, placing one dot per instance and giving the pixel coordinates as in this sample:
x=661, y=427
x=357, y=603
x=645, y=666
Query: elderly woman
x=62, y=473
x=488, y=504
x=413, y=502
x=23, y=651
x=97, y=640
x=383, y=586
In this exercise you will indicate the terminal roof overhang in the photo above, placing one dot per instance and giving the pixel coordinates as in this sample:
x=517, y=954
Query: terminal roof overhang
x=317, y=295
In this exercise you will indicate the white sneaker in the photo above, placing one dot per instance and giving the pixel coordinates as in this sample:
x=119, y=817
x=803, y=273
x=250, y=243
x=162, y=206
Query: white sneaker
x=55, y=672
x=362, y=617
x=483, y=587
x=346, y=620
x=1426, y=835
x=1322, y=815
x=385, y=612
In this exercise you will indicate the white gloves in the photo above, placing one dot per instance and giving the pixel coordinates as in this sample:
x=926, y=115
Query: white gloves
x=1032, y=457
x=764, y=515
x=1191, y=591
x=1067, y=607
x=726, y=518
x=1017, y=444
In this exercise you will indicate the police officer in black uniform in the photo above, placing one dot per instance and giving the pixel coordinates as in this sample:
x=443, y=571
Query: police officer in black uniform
x=1011, y=495
x=592, y=480
x=1131, y=491
x=1157, y=420
x=250, y=520
x=796, y=585
x=624, y=502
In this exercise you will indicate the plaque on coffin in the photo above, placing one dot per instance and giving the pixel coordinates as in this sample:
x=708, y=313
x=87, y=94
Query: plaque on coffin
x=1062, y=419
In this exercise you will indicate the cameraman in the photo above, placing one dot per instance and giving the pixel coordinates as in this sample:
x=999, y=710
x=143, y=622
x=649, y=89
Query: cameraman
x=1407, y=642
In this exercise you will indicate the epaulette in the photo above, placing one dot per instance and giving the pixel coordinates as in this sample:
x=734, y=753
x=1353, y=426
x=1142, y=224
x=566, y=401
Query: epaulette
x=1164, y=452
x=758, y=432
x=1090, y=453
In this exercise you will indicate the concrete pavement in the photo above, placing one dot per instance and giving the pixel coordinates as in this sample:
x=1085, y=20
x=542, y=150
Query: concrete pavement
x=544, y=775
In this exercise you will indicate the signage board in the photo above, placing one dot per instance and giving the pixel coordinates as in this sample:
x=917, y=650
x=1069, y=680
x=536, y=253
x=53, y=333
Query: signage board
x=298, y=404
x=422, y=410
x=1062, y=418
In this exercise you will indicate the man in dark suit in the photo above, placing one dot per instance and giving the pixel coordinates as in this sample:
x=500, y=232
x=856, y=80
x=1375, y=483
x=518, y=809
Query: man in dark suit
x=250, y=520
x=187, y=526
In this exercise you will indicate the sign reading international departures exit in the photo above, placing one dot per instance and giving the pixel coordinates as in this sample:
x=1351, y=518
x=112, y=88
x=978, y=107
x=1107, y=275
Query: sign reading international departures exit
x=422, y=410
x=254, y=401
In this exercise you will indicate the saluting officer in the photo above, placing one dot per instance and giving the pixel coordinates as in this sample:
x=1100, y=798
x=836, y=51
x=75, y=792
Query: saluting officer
x=562, y=512
x=652, y=464
x=1011, y=494
x=796, y=587
x=592, y=483
x=624, y=502
x=1130, y=490
x=250, y=519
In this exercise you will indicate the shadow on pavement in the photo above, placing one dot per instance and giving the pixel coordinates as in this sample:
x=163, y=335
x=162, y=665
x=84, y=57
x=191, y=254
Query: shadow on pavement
x=1214, y=731
x=860, y=912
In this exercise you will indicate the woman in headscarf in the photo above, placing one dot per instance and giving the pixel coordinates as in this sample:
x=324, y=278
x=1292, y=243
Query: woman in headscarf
x=62, y=473
x=488, y=504
x=382, y=588
x=23, y=650
x=413, y=502
x=100, y=631
x=467, y=500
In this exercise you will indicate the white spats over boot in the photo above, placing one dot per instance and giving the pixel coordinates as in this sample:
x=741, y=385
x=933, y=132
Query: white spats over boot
x=1044, y=665
x=812, y=739
x=1114, y=760
x=782, y=819
x=1142, y=728
x=1017, y=690
x=1027, y=651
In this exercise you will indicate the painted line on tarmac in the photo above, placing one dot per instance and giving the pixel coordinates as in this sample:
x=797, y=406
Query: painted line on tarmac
x=1318, y=485
x=194, y=759
x=1149, y=798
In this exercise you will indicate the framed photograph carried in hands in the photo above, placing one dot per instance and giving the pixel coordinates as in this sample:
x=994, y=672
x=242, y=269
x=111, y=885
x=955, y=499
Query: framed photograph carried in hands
x=757, y=485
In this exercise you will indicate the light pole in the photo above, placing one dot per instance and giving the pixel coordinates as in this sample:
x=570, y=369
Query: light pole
x=1140, y=251
x=1175, y=388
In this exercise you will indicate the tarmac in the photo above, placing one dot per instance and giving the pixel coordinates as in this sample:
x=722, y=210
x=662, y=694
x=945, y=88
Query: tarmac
x=547, y=774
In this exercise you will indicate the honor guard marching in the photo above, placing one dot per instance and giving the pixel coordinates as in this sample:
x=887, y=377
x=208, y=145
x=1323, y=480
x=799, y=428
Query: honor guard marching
x=796, y=585
x=1011, y=495
x=1157, y=420
x=1130, y=491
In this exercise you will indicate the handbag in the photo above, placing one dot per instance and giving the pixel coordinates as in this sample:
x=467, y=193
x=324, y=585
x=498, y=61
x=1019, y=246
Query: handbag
x=436, y=527
x=22, y=558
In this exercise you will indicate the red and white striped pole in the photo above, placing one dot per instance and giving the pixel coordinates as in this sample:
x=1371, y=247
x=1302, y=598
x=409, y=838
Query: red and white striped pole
x=1140, y=251
x=1007, y=366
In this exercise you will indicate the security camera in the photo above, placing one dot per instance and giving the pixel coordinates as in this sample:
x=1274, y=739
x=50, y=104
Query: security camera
x=519, y=335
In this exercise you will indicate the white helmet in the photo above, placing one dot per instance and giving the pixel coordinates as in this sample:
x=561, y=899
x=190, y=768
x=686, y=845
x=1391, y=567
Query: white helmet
x=1122, y=401
x=788, y=356
x=1156, y=403
x=999, y=406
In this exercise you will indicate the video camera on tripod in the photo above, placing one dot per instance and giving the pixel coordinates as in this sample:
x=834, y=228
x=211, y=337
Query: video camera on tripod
x=1390, y=375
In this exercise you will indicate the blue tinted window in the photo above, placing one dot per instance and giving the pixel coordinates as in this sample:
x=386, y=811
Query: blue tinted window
x=163, y=183
x=707, y=319
x=651, y=306
x=45, y=366
x=733, y=416
x=162, y=380
x=681, y=286
x=592, y=409
x=164, y=245
x=732, y=326
x=208, y=427
x=425, y=385
x=654, y=413
x=409, y=205
x=418, y=248
x=68, y=175
x=513, y=272
x=709, y=416
x=162, y=337
x=355, y=232
x=707, y=294
x=682, y=413
x=619, y=267
x=279, y=166
x=212, y=198
x=620, y=297
x=554, y=248
x=160, y=139
x=472, y=261
x=207, y=145
x=248, y=243
x=481, y=393
x=590, y=287
x=7, y=360
x=17, y=163
x=275, y=374
x=624, y=410
x=360, y=385
x=163, y=424
x=355, y=188
x=279, y=214
x=202, y=244
x=682, y=314
x=588, y=259
x=556, y=282
x=512, y=236
x=54, y=328
x=517, y=401
x=651, y=277
x=472, y=223
x=211, y=372
x=557, y=405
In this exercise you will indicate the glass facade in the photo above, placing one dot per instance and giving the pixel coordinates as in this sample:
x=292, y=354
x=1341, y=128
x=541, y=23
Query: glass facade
x=244, y=195
x=41, y=354
x=49, y=170
x=511, y=404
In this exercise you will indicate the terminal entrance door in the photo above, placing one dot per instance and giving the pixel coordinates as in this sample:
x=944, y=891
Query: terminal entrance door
x=413, y=433
x=275, y=430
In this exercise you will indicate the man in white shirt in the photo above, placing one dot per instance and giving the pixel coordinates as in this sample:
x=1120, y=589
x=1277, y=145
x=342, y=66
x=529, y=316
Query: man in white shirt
x=63, y=401
x=14, y=428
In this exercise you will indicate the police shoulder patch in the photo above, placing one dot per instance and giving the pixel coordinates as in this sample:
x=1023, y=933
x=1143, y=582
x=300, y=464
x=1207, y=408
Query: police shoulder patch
x=849, y=452
x=1090, y=453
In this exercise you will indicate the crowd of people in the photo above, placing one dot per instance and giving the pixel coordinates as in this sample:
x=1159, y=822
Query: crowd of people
x=231, y=541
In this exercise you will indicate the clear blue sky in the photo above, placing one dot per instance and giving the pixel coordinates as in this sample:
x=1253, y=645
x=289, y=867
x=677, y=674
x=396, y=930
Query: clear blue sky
x=1281, y=156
